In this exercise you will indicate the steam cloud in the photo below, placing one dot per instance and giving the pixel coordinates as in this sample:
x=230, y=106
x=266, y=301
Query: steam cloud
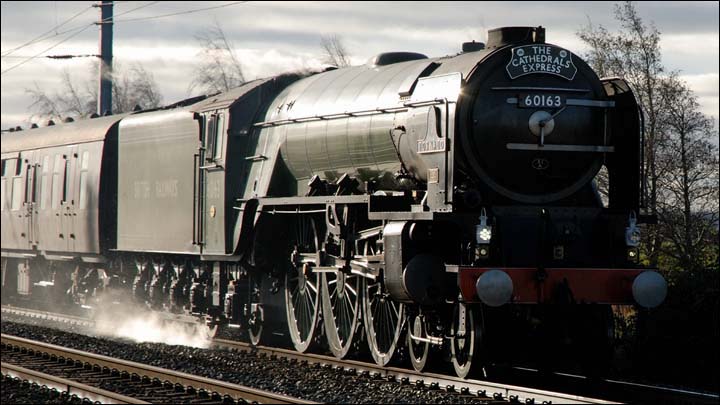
x=139, y=324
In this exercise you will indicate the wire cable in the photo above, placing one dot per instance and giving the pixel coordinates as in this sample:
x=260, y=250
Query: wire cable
x=44, y=36
x=136, y=8
x=81, y=29
x=40, y=53
x=181, y=12
x=41, y=36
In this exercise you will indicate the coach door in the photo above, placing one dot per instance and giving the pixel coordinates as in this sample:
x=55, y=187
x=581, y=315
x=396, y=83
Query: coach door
x=212, y=174
x=62, y=200
x=30, y=200
x=71, y=195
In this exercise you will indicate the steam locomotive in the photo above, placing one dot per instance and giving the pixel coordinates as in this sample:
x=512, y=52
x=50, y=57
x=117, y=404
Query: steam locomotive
x=405, y=205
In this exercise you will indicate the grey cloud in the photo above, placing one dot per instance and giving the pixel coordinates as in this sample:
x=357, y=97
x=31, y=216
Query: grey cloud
x=293, y=30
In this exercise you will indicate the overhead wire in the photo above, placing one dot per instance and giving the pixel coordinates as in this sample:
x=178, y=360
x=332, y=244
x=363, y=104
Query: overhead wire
x=81, y=29
x=42, y=36
x=181, y=12
x=47, y=49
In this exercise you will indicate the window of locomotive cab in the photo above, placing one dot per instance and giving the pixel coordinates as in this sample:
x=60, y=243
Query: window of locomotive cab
x=219, y=136
x=214, y=137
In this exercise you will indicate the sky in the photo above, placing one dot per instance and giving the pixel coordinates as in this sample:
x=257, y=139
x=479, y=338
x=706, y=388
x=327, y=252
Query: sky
x=274, y=37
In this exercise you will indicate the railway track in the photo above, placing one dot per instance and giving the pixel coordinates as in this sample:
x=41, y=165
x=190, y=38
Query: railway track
x=586, y=389
x=481, y=389
x=146, y=383
x=72, y=388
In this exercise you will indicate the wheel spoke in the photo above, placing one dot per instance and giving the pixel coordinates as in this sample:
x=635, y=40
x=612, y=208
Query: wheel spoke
x=351, y=290
x=353, y=310
x=395, y=310
x=311, y=286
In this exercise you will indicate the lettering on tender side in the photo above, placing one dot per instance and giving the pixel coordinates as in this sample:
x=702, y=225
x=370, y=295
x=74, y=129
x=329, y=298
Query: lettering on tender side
x=166, y=188
x=541, y=59
x=144, y=190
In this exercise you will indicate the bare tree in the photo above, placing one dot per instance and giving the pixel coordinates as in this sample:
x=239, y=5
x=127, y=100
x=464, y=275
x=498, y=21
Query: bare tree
x=688, y=204
x=219, y=69
x=71, y=100
x=334, y=51
x=130, y=88
x=135, y=87
x=634, y=53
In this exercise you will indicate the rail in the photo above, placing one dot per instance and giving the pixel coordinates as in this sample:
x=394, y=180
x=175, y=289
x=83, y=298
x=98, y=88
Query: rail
x=152, y=372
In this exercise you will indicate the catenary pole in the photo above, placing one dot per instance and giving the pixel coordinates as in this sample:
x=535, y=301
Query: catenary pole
x=106, y=55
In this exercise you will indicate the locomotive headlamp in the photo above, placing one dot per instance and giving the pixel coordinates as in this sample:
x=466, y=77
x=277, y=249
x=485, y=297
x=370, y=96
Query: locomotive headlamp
x=483, y=231
x=633, y=254
x=482, y=252
x=632, y=233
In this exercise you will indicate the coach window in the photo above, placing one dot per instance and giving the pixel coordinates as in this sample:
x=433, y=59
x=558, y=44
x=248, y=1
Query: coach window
x=66, y=180
x=83, y=179
x=17, y=193
x=2, y=185
x=29, y=186
x=17, y=187
x=44, y=181
x=56, y=181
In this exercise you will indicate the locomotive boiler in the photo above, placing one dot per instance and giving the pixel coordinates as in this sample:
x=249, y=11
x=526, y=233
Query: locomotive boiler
x=424, y=203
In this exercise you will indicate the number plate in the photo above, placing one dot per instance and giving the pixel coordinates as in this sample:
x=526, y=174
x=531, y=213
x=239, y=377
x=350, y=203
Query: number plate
x=540, y=101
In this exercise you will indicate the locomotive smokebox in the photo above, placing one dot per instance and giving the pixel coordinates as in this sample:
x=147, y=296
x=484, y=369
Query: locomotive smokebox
x=532, y=119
